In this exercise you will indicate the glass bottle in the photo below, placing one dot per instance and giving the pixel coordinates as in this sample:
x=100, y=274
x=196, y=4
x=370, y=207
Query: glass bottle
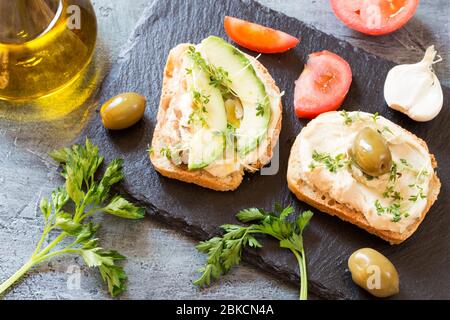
x=44, y=45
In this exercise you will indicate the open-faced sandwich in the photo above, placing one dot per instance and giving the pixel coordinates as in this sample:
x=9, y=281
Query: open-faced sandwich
x=365, y=170
x=220, y=114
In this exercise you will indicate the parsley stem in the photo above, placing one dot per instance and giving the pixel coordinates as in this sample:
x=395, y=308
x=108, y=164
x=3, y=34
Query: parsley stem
x=304, y=284
x=51, y=245
x=31, y=263
x=41, y=241
x=90, y=212
x=301, y=259
x=56, y=253
x=16, y=276
x=77, y=217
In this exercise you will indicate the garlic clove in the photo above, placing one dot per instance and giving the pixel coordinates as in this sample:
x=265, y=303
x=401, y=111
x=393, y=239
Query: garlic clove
x=414, y=89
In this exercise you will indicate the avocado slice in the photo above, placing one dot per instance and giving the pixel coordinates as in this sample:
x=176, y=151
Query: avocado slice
x=208, y=142
x=247, y=86
x=206, y=146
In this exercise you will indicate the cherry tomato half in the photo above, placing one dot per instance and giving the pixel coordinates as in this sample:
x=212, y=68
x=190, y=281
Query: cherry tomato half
x=257, y=37
x=323, y=85
x=375, y=17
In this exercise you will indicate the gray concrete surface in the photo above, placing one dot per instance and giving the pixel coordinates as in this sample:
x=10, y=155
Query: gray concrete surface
x=162, y=262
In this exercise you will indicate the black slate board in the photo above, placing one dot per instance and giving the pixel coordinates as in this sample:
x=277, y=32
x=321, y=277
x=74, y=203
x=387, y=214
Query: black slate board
x=422, y=261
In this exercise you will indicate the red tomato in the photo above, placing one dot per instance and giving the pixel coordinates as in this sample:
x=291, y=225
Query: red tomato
x=375, y=17
x=257, y=37
x=323, y=85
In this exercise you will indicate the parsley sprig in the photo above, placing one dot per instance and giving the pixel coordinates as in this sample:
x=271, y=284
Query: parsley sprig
x=394, y=174
x=331, y=163
x=260, y=109
x=394, y=209
x=68, y=210
x=384, y=130
x=390, y=192
x=166, y=152
x=420, y=193
x=219, y=78
x=199, y=114
x=226, y=251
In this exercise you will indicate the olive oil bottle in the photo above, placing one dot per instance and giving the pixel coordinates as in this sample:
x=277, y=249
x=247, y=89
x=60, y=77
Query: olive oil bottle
x=44, y=46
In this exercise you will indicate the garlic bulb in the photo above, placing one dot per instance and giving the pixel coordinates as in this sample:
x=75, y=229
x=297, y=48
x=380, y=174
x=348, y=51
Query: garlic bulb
x=414, y=89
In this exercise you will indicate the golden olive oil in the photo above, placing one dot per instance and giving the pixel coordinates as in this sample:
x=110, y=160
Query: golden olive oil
x=44, y=45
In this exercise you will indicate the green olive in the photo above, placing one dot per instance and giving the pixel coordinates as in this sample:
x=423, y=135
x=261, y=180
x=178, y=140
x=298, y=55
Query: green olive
x=374, y=272
x=371, y=153
x=123, y=111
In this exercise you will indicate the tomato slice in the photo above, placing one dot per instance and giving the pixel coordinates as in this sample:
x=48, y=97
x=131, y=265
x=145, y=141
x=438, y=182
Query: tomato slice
x=257, y=37
x=323, y=85
x=375, y=17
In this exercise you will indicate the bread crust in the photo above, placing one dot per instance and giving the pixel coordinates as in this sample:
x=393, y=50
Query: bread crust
x=325, y=203
x=202, y=177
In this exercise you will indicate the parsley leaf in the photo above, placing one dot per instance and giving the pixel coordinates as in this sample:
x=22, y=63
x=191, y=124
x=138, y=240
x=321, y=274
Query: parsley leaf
x=250, y=215
x=394, y=174
x=260, y=110
x=379, y=207
x=375, y=117
x=151, y=151
x=390, y=192
x=419, y=195
x=405, y=162
x=393, y=209
x=105, y=260
x=384, y=130
x=121, y=207
x=198, y=115
x=166, y=152
x=348, y=120
x=65, y=222
x=115, y=277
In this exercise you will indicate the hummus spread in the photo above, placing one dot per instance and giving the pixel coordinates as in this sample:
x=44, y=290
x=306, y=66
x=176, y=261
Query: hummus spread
x=392, y=201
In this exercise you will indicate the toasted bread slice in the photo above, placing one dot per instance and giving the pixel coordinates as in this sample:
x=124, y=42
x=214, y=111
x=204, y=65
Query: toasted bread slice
x=327, y=204
x=202, y=177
